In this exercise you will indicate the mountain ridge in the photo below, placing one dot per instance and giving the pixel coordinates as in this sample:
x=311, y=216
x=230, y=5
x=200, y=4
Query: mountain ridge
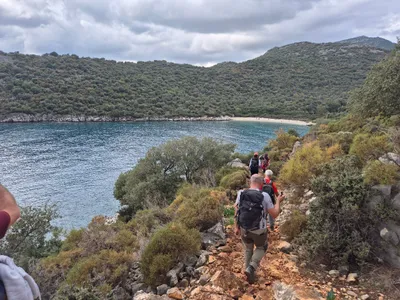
x=301, y=81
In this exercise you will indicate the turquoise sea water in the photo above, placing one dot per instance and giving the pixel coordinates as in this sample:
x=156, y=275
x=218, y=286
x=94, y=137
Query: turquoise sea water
x=75, y=165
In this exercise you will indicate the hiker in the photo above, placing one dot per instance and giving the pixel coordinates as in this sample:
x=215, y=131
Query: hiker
x=270, y=188
x=254, y=164
x=251, y=209
x=264, y=162
x=9, y=210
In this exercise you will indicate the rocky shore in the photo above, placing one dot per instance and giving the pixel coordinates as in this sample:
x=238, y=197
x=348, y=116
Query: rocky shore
x=25, y=118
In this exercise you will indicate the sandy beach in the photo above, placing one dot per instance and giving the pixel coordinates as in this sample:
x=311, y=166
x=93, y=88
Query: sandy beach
x=269, y=120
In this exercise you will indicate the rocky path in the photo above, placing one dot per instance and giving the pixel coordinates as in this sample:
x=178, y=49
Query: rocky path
x=279, y=277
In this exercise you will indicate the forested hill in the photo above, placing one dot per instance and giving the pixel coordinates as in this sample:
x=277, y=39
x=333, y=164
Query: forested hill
x=302, y=80
x=376, y=42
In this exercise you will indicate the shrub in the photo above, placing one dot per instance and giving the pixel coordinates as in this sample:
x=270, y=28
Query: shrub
x=199, y=208
x=334, y=151
x=303, y=166
x=156, y=178
x=236, y=180
x=223, y=172
x=276, y=166
x=340, y=227
x=282, y=141
x=33, y=236
x=167, y=246
x=229, y=211
x=368, y=147
x=376, y=172
x=294, y=225
x=293, y=132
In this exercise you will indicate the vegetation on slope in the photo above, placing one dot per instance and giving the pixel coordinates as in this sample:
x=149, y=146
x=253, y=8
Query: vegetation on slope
x=302, y=80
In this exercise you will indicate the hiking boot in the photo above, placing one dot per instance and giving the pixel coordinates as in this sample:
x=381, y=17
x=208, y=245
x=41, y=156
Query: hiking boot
x=250, y=274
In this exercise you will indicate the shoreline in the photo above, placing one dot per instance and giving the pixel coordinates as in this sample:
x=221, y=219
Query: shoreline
x=271, y=120
x=24, y=118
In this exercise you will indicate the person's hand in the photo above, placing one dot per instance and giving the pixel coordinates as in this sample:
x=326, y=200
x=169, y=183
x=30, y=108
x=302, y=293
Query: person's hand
x=237, y=230
x=281, y=198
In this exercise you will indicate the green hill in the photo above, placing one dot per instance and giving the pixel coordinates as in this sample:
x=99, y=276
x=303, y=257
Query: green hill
x=301, y=80
x=376, y=42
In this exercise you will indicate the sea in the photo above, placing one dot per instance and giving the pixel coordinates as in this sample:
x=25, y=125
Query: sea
x=74, y=165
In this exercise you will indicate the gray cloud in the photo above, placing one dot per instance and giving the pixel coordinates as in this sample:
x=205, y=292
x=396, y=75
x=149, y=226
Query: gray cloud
x=187, y=31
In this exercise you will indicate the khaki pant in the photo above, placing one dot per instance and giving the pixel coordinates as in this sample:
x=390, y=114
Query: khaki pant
x=250, y=239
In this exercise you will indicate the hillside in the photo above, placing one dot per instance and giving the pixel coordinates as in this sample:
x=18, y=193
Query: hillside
x=376, y=42
x=302, y=80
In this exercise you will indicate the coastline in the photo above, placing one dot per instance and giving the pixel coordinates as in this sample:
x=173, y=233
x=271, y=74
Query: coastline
x=270, y=120
x=24, y=118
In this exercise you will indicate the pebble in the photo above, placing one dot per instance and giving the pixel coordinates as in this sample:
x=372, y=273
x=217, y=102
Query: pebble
x=351, y=293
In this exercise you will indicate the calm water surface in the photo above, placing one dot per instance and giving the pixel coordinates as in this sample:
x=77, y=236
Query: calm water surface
x=75, y=165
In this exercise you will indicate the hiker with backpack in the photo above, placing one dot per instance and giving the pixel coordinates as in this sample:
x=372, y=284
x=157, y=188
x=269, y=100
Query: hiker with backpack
x=254, y=164
x=270, y=188
x=251, y=209
x=264, y=162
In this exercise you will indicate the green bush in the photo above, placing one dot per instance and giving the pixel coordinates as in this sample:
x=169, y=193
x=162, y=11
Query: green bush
x=293, y=132
x=33, y=236
x=236, y=180
x=229, y=211
x=168, y=245
x=303, y=166
x=294, y=225
x=368, y=147
x=376, y=172
x=156, y=178
x=199, y=208
x=276, y=166
x=340, y=226
x=222, y=172
x=283, y=140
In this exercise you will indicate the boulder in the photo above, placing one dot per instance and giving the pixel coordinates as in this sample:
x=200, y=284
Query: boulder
x=296, y=147
x=236, y=163
x=385, y=190
x=390, y=158
x=226, y=280
x=334, y=273
x=202, y=260
x=162, y=289
x=389, y=236
x=285, y=247
x=218, y=229
x=190, y=261
x=396, y=202
x=175, y=293
x=352, y=278
x=149, y=296
x=209, y=239
x=172, y=275
x=184, y=283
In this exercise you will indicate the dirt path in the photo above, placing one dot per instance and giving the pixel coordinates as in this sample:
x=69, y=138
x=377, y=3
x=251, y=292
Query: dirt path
x=278, y=275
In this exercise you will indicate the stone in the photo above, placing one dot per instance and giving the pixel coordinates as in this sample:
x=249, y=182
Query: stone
x=334, y=273
x=352, y=278
x=285, y=247
x=396, y=202
x=364, y=297
x=172, y=275
x=175, y=293
x=390, y=158
x=389, y=236
x=209, y=239
x=149, y=296
x=204, y=279
x=385, y=190
x=343, y=270
x=218, y=229
x=352, y=294
x=190, y=260
x=137, y=287
x=184, y=283
x=283, y=291
x=236, y=163
x=203, y=269
x=309, y=193
x=225, y=248
x=202, y=260
x=211, y=259
x=296, y=147
x=246, y=297
x=226, y=280
x=162, y=289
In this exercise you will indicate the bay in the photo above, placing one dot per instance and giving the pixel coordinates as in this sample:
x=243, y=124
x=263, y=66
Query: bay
x=75, y=165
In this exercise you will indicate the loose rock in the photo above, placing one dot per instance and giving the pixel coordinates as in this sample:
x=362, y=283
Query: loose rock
x=204, y=279
x=162, y=289
x=352, y=278
x=285, y=247
x=175, y=293
x=365, y=297
x=334, y=273
x=352, y=294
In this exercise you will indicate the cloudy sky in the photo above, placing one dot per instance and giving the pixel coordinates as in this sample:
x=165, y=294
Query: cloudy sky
x=201, y=32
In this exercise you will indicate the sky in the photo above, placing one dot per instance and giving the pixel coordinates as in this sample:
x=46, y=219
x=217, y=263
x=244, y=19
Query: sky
x=199, y=32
